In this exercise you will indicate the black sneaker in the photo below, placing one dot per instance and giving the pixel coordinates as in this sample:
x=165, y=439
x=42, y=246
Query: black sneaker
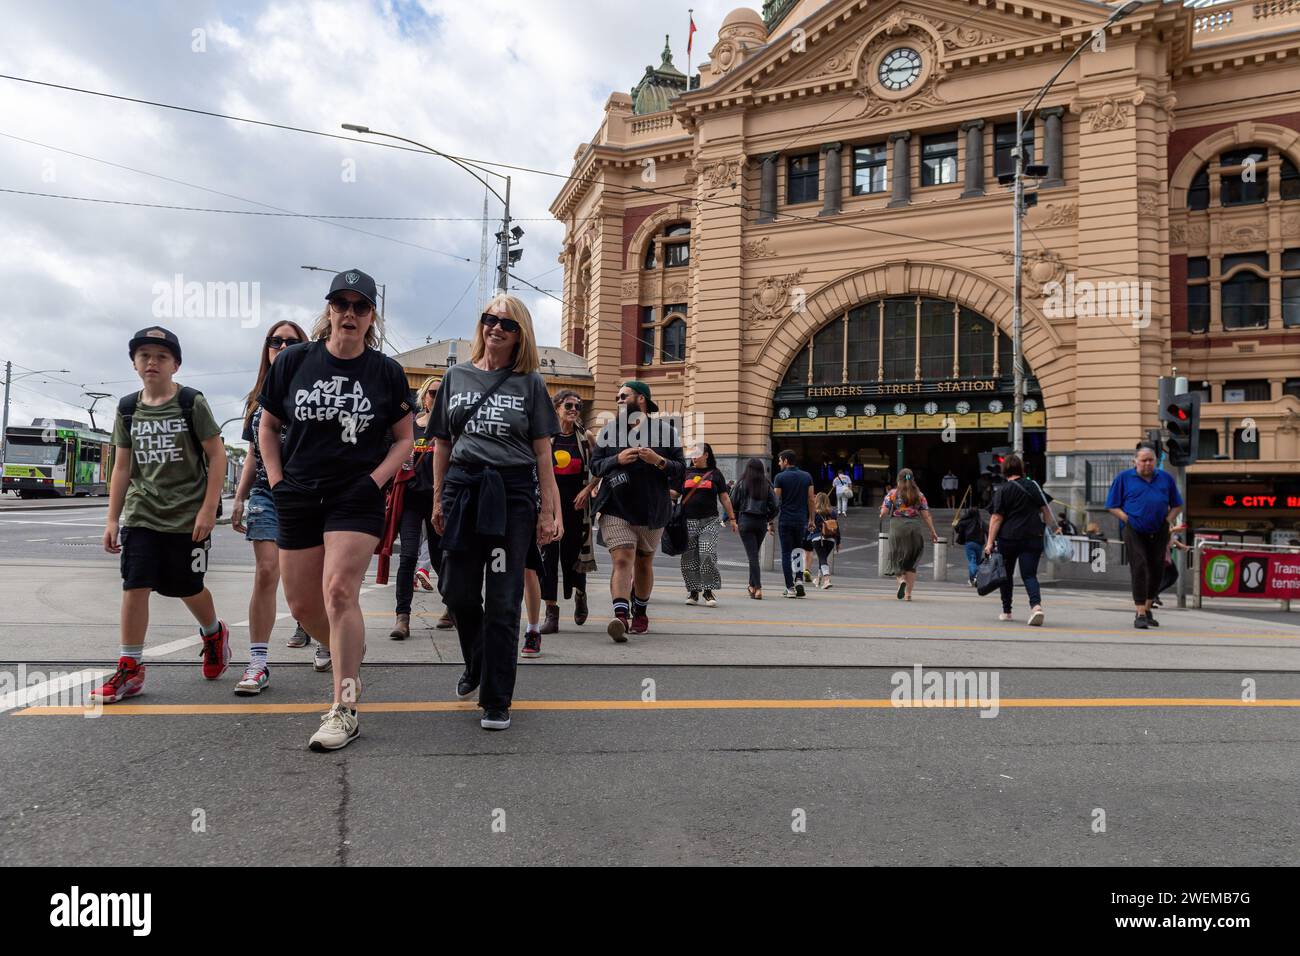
x=1140, y=622
x=1151, y=620
x=798, y=590
x=495, y=720
x=532, y=644
x=465, y=688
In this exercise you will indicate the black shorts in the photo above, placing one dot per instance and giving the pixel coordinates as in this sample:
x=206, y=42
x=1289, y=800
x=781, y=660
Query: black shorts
x=172, y=564
x=533, y=561
x=306, y=516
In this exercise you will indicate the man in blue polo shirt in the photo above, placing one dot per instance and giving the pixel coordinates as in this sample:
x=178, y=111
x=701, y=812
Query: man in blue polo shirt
x=794, y=490
x=1145, y=500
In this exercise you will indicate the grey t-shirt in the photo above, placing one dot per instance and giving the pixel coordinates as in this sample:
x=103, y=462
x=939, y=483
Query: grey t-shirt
x=505, y=426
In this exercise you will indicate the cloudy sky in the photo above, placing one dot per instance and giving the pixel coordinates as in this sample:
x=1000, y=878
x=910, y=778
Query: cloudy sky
x=502, y=80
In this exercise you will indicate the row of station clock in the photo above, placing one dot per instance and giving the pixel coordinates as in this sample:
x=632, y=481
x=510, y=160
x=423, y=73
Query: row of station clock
x=931, y=408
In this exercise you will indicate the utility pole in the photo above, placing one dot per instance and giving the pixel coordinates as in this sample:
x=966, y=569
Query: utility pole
x=1018, y=359
x=503, y=269
x=1180, y=477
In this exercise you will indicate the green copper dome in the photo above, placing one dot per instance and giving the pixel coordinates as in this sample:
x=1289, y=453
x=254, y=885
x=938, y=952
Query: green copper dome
x=659, y=86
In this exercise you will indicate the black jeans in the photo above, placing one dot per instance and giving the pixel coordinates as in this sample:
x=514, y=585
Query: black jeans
x=417, y=510
x=1027, y=554
x=752, y=531
x=1146, y=561
x=483, y=587
x=791, y=536
x=560, y=557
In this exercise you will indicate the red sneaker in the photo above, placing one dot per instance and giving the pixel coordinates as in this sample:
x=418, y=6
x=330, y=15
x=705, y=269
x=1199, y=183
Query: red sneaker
x=216, y=652
x=640, y=623
x=127, y=682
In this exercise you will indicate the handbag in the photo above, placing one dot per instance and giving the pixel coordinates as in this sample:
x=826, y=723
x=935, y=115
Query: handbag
x=991, y=574
x=676, y=538
x=1055, y=546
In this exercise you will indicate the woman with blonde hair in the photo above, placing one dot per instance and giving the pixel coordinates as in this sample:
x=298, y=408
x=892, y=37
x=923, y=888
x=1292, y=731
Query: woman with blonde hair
x=826, y=538
x=492, y=424
x=261, y=526
x=346, y=411
x=906, y=509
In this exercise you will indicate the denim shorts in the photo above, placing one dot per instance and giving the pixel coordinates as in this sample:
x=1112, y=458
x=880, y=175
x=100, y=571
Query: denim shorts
x=260, y=516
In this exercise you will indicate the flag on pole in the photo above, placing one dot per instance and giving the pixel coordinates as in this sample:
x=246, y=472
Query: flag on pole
x=690, y=36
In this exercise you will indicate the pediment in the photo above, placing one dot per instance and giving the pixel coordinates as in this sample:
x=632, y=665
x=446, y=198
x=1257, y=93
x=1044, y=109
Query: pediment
x=833, y=46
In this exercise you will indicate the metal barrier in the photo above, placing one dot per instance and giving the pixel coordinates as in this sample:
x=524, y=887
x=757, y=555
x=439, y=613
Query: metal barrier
x=1270, y=571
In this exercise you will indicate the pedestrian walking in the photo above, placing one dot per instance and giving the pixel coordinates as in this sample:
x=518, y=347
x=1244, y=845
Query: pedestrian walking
x=843, y=487
x=702, y=489
x=639, y=460
x=825, y=539
x=163, y=498
x=259, y=524
x=346, y=411
x=494, y=496
x=571, y=558
x=1146, y=501
x=794, y=493
x=1020, y=512
x=971, y=533
x=907, y=510
x=755, y=504
x=950, y=485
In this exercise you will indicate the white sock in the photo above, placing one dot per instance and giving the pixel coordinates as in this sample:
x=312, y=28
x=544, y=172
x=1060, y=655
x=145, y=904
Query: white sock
x=257, y=655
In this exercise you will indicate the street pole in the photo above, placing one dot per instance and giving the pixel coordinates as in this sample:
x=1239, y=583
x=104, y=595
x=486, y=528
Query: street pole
x=1018, y=361
x=9, y=371
x=503, y=268
x=383, y=326
x=1180, y=477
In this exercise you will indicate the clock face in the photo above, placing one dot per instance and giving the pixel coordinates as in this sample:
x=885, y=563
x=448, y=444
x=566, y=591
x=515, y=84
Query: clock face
x=900, y=68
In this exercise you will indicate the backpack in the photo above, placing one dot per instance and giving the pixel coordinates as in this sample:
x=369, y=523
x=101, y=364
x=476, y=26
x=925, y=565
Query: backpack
x=126, y=408
x=830, y=527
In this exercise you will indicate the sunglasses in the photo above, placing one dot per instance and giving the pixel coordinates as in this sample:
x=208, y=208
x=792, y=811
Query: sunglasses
x=507, y=325
x=360, y=308
x=278, y=342
x=572, y=407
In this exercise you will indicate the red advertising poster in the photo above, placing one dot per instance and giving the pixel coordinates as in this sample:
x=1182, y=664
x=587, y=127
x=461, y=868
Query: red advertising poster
x=1254, y=574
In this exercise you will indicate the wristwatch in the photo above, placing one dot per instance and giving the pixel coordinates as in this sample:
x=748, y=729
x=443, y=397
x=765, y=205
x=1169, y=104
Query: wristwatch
x=662, y=463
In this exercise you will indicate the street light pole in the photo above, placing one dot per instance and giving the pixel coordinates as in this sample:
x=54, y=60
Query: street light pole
x=503, y=268
x=1018, y=212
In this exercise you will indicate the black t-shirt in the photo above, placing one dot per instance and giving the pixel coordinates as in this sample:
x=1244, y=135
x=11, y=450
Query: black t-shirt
x=711, y=485
x=566, y=459
x=337, y=413
x=255, y=449
x=422, y=481
x=1021, y=507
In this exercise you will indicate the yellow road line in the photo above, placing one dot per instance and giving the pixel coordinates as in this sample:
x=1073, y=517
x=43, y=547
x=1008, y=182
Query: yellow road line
x=428, y=706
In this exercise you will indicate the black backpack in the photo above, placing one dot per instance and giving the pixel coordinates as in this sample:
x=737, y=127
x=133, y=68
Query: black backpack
x=126, y=408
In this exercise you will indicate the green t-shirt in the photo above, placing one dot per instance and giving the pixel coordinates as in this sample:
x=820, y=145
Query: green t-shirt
x=168, y=480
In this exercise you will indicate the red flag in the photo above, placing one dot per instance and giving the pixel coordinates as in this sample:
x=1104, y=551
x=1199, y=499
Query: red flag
x=690, y=37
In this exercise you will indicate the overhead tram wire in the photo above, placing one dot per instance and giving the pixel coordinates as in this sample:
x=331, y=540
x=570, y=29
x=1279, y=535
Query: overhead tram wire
x=480, y=163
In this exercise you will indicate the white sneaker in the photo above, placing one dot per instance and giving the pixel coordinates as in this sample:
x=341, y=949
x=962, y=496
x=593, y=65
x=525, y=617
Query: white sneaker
x=693, y=598
x=338, y=728
x=789, y=593
x=826, y=584
x=709, y=600
x=1036, y=618
x=322, y=660
x=254, y=680
x=1004, y=616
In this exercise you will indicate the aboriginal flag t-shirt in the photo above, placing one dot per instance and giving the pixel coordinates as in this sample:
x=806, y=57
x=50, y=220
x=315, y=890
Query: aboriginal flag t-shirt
x=710, y=484
x=566, y=456
x=337, y=413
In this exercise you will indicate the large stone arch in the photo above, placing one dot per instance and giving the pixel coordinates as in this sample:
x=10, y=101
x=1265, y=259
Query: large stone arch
x=1245, y=133
x=653, y=223
x=1045, y=352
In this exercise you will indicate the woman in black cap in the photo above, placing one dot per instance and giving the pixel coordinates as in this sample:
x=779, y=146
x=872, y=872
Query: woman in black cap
x=492, y=424
x=340, y=401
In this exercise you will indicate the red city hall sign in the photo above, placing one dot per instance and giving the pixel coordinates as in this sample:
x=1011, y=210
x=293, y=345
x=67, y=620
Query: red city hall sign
x=1254, y=502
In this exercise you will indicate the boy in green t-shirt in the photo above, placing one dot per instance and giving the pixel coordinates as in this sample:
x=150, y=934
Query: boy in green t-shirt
x=164, y=490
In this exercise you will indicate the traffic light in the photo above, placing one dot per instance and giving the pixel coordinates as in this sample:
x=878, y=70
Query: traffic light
x=1182, y=418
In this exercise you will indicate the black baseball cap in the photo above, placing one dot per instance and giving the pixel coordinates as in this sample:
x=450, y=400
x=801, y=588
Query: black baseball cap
x=155, y=335
x=641, y=388
x=354, y=280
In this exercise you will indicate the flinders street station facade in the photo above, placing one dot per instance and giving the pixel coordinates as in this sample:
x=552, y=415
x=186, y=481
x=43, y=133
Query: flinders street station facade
x=810, y=248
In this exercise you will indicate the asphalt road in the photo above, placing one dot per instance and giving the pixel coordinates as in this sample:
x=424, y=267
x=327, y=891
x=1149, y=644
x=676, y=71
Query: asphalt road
x=1178, y=785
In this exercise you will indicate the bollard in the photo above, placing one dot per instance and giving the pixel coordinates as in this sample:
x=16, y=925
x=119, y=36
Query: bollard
x=767, y=553
x=941, y=560
x=882, y=554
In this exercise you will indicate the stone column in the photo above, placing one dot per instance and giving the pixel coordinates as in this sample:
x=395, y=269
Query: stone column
x=902, y=170
x=1053, y=149
x=974, y=130
x=834, y=173
x=767, y=190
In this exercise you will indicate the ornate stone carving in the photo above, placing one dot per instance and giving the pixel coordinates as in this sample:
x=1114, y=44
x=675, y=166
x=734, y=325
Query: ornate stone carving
x=1037, y=269
x=1177, y=235
x=927, y=96
x=1291, y=225
x=771, y=299
x=755, y=249
x=1196, y=235
x=630, y=288
x=676, y=291
x=1290, y=424
x=1060, y=214
x=1108, y=113
x=692, y=174
x=1244, y=236
x=839, y=62
x=1148, y=205
x=724, y=173
x=959, y=36
x=723, y=56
